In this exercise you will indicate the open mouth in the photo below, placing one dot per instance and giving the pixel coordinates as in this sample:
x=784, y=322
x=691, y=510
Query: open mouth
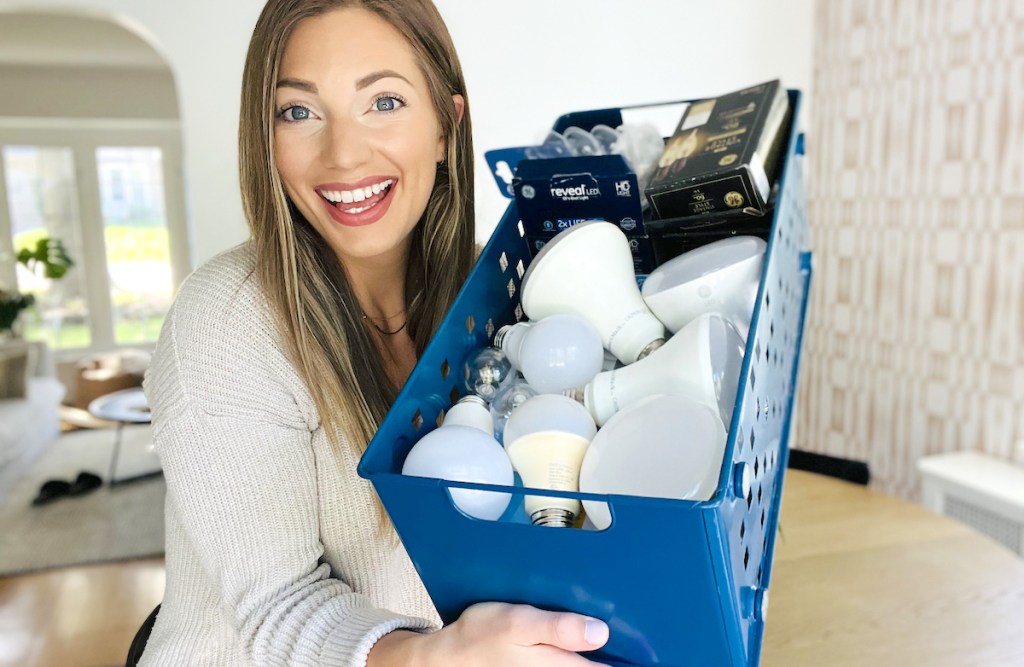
x=358, y=200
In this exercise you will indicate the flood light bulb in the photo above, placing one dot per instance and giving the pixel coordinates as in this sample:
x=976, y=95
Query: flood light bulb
x=587, y=270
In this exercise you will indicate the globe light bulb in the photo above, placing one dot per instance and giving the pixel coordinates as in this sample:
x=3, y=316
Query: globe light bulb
x=508, y=398
x=460, y=453
x=702, y=361
x=720, y=277
x=556, y=353
x=546, y=438
x=662, y=446
x=471, y=410
x=587, y=270
x=486, y=371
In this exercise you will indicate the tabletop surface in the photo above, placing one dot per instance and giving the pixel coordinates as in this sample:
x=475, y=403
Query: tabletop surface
x=127, y=405
x=865, y=579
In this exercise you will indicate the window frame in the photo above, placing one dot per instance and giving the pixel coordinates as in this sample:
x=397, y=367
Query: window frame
x=84, y=137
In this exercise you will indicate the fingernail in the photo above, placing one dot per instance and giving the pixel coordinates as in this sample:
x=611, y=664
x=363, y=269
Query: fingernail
x=595, y=633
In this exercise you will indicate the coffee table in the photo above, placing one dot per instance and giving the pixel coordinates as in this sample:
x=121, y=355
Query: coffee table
x=128, y=406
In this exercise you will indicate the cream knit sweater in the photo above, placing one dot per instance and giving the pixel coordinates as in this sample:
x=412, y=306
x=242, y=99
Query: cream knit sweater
x=273, y=550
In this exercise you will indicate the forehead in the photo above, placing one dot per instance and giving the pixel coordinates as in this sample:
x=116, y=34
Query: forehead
x=346, y=43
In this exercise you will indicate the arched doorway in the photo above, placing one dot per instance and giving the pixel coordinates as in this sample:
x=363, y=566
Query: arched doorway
x=90, y=155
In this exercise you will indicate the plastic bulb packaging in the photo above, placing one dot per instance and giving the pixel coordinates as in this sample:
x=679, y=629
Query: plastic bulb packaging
x=555, y=353
x=486, y=371
x=720, y=277
x=508, y=398
x=661, y=447
x=587, y=270
x=702, y=362
x=546, y=439
x=460, y=453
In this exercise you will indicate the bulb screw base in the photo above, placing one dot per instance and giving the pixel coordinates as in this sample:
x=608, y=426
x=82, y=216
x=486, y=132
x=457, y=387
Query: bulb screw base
x=651, y=347
x=499, y=335
x=472, y=398
x=553, y=517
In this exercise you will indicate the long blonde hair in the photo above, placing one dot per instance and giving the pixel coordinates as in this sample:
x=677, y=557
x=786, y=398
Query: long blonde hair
x=318, y=315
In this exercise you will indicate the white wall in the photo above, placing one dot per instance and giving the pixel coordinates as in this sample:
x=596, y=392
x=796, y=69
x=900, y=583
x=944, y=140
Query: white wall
x=526, y=62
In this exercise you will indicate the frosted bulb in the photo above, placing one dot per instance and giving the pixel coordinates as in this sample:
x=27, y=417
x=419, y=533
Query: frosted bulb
x=464, y=454
x=473, y=411
x=508, y=398
x=721, y=277
x=605, y=136
x=660, y=447
x=550, y=412
x=587, y=270
x=556, y=353
x=546, y=438
x=486, y=371
x=702, y=361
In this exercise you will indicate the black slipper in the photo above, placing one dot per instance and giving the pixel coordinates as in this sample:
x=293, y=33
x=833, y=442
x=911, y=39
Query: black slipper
x=51, y=490
x=84, y=483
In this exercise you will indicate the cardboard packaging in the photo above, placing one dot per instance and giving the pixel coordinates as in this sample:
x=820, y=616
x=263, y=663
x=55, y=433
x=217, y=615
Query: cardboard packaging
x=556, y=193
x=723, y=154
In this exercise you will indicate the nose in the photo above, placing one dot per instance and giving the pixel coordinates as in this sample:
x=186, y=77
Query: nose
x=347, y=144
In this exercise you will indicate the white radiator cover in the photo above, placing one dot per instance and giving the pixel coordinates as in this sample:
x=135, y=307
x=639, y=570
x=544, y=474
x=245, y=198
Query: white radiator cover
x=978, y=490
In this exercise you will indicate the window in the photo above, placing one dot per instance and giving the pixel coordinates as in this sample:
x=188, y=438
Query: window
x=113, y=197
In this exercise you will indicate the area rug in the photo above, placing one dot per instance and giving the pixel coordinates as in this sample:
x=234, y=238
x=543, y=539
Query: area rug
x=107, y=524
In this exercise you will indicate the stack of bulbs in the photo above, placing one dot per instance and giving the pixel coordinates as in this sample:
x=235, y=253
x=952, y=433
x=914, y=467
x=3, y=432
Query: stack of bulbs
x=543, y=403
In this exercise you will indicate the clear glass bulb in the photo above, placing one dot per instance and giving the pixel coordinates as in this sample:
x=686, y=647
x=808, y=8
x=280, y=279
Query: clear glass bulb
x=486, y=371
x=460, y=453
x=555, y=353
x=508, y=398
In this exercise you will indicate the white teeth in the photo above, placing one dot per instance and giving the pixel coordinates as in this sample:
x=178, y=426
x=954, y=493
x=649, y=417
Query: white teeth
x=358, y=195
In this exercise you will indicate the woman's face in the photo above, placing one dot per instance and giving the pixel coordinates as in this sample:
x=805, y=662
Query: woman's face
x=356, y=135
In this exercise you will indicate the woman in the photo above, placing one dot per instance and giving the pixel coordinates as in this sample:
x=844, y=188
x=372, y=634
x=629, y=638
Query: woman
x=280, y=358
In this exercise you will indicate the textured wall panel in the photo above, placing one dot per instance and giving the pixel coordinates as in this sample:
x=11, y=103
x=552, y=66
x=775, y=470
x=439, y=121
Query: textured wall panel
x=915, y=342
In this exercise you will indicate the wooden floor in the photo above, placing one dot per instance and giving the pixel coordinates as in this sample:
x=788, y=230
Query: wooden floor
x=76, y=617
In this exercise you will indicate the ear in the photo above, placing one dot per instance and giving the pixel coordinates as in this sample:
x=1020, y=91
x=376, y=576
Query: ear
x=460, y=108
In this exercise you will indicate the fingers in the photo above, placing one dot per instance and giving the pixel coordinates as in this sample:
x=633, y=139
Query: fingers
x=571, y=632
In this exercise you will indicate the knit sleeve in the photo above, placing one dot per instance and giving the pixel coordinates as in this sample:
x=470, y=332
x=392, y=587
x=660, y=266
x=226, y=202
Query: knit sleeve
x=236, y=451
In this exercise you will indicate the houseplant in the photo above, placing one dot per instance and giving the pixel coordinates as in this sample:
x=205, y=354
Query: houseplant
x=51, y=257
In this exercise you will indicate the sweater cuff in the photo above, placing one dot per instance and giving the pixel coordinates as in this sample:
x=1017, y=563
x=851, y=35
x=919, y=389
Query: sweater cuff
x=350, y=643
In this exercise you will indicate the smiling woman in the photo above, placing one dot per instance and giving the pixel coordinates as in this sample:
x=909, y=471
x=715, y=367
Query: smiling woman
x=281, y=357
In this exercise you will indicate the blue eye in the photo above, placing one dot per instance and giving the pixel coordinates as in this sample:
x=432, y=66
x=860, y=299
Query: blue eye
x=295, y=113
x=387, y=103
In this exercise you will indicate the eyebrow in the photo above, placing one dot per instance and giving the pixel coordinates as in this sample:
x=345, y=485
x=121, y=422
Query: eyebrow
x=364, y=82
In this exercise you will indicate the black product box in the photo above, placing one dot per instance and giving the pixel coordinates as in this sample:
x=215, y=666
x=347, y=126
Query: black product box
x=639, y=246
x=723, y=154
x=672, y=237
x=557, y=193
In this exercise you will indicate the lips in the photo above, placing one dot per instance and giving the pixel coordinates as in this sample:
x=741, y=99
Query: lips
x=358, y=204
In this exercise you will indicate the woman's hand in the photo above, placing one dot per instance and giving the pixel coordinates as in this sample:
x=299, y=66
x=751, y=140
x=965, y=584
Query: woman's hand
x=497, y=635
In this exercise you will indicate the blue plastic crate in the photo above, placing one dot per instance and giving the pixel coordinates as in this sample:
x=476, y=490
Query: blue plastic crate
x=680, y=583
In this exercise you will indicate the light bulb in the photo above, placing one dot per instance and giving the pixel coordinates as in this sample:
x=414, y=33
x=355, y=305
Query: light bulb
x=720, y=277
x=470, y=410
x=464, y=454
x=508, y=398
x=556, y=353
x=663, y=446
x=702, y=361
x=486, y=371
x=546, y=438
x=587, y=270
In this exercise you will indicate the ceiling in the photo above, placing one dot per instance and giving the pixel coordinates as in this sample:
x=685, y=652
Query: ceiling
x=64, y=40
